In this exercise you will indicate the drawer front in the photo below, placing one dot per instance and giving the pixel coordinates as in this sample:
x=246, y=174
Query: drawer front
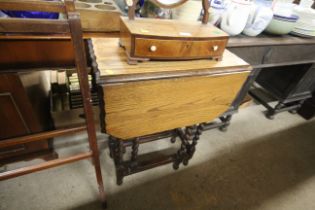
x=145, y=107
x=178, y=49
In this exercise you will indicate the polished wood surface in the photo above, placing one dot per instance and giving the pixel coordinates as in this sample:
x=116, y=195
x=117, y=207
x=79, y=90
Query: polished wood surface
x=22, y=53
x=178, y=49
x=155, y=96
x=14, y=25
x=172, y=28
x=113, y=66
x=146, y=38
x=146, y=107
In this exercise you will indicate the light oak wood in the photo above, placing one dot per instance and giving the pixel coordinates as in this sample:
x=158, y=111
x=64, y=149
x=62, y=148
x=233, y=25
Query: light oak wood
x=103, y=16
x=156, y=96
x=146, y=107
x=113, y=66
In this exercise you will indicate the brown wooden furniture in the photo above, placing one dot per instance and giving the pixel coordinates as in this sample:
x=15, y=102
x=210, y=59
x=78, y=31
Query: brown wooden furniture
x=95, y=12
x=153, y=39
x=19, y=115
x=283, y=67
x=71, y=26
x=152, y=100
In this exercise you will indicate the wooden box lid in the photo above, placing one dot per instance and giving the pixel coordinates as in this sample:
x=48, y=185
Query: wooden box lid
x=172, y=28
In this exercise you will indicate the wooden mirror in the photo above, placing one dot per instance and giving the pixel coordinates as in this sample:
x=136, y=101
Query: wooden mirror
x=168, y=4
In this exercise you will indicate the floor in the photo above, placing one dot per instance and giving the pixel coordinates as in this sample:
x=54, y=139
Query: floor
x=258, y=164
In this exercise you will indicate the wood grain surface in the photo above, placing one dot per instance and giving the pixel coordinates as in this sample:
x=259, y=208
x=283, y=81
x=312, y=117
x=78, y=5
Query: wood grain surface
x=113, y=66
x=171, y=28
x=178, y=49
x=146, y=107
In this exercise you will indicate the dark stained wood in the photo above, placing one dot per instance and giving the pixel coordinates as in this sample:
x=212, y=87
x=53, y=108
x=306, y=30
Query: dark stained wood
x=14, y=25
x=205, y=6
x=80, y=60
x=17, y=117
x=86, y=35
x=32, y=5
x=41, y=136
x=75, y=30
x=267, y=40
x=12, y=123
x=28, y=53
x=43, y=166
x=11, y=84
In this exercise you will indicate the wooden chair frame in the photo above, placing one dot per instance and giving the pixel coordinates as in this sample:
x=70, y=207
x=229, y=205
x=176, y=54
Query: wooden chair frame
x=70, y=26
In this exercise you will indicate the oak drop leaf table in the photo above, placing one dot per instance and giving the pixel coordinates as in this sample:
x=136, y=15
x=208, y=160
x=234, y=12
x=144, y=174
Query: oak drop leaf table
x=158, y=99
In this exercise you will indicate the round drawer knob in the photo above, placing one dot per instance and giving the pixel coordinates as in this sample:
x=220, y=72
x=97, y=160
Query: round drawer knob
x=153, y=48
x=215, y=47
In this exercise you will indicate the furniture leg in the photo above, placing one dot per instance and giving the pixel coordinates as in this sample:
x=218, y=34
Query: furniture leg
x=80, y=60
x=192, y=146
x=226, y=122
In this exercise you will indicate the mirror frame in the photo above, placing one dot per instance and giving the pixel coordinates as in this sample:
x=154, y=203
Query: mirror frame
x=132, y=7
x=168, y=6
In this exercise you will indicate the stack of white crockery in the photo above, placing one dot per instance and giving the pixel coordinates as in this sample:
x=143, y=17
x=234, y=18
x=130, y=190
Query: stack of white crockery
x=305, y=26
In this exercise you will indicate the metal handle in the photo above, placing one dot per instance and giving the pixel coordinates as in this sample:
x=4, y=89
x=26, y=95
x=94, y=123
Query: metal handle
x=215, y=47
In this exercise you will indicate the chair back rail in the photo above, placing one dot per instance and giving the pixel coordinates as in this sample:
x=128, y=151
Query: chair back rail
x=27, y=25
x=36, y=25
x=32, y=5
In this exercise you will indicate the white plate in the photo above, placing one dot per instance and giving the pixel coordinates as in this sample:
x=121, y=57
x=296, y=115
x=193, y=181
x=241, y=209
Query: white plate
x=308, y=33
x=301, y=35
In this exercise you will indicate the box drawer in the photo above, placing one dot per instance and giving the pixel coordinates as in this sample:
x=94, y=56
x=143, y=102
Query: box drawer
x=178, y=49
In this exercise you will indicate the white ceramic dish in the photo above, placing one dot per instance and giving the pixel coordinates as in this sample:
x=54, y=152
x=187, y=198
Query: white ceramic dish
x=280, y=25
x=258, y=20
x=283, y=9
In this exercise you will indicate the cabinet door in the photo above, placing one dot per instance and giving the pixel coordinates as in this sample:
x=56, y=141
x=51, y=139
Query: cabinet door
x=17, y=117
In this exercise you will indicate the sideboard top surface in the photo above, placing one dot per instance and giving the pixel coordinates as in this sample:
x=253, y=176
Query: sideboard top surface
x=112, y=63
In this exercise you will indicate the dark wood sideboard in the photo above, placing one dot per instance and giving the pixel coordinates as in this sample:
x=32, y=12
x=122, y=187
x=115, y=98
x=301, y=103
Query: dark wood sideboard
x=283, y=67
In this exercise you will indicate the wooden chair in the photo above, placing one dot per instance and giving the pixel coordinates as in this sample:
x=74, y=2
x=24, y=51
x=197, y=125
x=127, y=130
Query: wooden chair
x=71, y=26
